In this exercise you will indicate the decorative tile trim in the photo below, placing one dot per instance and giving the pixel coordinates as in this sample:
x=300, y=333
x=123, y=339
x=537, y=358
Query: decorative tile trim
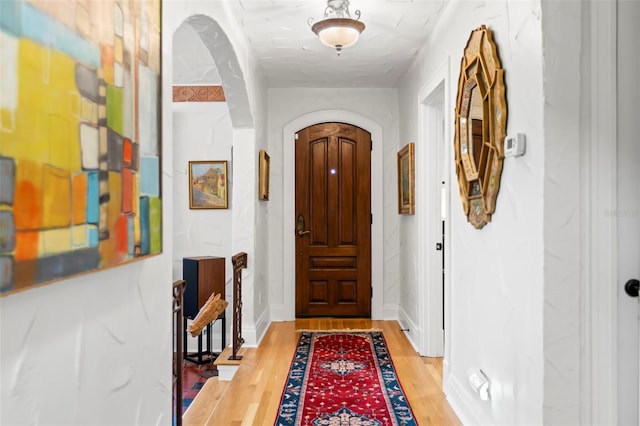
x=198, y=94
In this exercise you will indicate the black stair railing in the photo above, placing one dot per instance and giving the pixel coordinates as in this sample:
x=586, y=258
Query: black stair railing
x=178, y=296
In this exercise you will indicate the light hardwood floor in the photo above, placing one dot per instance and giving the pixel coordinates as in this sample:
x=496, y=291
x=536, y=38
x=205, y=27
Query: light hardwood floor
x=253, y=396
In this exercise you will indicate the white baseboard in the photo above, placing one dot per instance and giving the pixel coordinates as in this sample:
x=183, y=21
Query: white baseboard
x=277, y=313
x=411, y=329
x=466, y=404
x=446, y=372
x=250, y=337
x=226, y=372
x=390, y=312
x=262, y=325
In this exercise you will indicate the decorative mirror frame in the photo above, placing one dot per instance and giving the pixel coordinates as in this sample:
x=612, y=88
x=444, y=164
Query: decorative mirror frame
x=479, y=162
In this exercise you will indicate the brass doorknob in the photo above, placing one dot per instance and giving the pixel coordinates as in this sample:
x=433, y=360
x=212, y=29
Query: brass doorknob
x=300, y=226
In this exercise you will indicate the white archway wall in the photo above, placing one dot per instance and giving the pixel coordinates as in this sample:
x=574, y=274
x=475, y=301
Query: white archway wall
x=202, y=131
x=216, y=41
x=227, y=46
x=375, y=110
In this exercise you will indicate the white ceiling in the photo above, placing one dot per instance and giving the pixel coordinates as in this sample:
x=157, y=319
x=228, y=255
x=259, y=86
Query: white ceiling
x=291, y=55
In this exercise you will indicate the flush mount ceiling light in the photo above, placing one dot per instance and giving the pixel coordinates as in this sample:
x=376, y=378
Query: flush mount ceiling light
x=337, y=29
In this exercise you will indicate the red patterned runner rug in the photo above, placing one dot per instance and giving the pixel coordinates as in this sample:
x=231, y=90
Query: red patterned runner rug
x=343, y=378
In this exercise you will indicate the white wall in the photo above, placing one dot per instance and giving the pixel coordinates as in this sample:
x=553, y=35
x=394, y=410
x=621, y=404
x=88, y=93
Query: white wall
x=563, y=301
x=244, y=214
x=263, y=234
x=201, y=131
x=284, y=106
x=495, y=274
x=91, y=350
x=96, y=349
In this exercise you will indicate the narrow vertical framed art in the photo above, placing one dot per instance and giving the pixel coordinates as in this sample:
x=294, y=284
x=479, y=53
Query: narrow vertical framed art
x=406, y=185
x=263, y=175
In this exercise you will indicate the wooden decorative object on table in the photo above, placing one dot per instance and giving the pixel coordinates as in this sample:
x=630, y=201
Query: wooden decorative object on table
x=209, y=312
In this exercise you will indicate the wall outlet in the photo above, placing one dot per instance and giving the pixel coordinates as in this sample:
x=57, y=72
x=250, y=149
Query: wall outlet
x=479, y=383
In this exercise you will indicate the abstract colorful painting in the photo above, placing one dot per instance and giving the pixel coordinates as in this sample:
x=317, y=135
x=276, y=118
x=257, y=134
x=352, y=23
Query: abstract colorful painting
x=80, y=144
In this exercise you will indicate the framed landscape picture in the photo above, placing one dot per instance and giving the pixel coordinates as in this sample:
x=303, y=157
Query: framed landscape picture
x=406, y=161
x=208, y=185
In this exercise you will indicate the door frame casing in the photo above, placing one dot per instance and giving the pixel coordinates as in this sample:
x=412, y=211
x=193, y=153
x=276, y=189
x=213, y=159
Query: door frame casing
x=598, y=399
x=627, y=209
x=288, y=214
x=433, y=108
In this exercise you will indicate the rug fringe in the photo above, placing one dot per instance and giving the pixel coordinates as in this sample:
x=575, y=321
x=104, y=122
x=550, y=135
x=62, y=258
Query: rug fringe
x=339, y=330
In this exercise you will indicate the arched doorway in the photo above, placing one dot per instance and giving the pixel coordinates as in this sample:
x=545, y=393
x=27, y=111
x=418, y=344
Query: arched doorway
x=377, y=261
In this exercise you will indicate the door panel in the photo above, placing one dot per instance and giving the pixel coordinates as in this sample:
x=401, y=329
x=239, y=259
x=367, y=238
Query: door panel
x=628, y=210
x=333, y=211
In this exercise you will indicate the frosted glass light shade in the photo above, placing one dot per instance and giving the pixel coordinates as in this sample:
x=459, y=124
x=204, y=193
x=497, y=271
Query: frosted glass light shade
x=338, y=32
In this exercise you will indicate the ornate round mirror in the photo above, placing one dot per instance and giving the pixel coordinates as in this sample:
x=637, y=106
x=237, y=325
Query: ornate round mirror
x=481, y=124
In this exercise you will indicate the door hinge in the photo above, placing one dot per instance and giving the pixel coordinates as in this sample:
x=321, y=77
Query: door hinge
x=371, y=141
x=296, y=136
x=372, y=218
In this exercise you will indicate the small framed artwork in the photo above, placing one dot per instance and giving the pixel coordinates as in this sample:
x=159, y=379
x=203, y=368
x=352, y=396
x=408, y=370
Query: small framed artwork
x=208, y=185
x=263, y=176
x=406, y=161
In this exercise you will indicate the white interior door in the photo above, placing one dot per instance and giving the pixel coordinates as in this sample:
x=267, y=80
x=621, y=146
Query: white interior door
x=431, y=168
x=628, y=210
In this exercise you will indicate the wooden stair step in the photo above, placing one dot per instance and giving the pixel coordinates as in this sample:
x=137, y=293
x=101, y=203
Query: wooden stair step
x=223, y=358
x=205, y=402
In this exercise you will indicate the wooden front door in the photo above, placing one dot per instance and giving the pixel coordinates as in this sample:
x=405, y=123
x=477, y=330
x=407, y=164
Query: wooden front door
x=333, y=221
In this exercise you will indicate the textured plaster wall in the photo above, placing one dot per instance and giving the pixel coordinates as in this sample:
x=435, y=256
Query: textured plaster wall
x=495, y=274
x=563, y=84
x=192, y=61
x=284, y=106
x=95, y=349
x=246, y=97
x=202, y=131
x=263, y=234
